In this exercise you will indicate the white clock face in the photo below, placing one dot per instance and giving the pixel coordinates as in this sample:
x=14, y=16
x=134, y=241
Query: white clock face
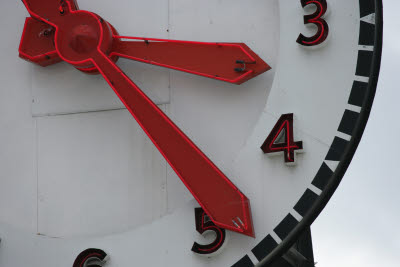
x=78, y=172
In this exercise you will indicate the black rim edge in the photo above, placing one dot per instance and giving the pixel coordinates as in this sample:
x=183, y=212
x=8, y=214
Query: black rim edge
x=351, y=148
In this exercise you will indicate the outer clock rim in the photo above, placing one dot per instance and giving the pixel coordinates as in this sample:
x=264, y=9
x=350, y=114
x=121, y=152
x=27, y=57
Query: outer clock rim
x=351, y=147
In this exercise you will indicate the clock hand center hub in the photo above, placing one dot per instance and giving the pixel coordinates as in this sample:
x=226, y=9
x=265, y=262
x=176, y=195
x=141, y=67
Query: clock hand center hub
x=84, y=39
x=80, y=35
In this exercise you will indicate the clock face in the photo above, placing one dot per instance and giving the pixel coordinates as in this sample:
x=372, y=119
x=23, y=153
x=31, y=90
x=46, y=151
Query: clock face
x=250, y=154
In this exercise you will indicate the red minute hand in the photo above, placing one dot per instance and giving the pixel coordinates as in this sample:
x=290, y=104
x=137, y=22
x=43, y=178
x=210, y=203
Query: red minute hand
x=226, y=205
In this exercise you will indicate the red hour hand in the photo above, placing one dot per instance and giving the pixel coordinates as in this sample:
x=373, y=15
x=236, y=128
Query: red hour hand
x=229, y=62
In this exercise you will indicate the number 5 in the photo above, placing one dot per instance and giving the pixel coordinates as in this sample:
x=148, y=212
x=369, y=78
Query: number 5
x=203, y=225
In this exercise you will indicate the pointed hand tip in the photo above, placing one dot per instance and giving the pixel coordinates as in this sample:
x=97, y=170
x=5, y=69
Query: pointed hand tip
x=250, y=231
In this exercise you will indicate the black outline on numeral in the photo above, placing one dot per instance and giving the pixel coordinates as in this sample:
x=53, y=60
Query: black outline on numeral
x=270, y=145
x=316, y=19
x=204, y=224
x=90, y=253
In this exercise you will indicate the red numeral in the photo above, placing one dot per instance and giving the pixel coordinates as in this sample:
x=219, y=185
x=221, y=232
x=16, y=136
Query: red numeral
x=204, y=224
x=281, y=139
x=315, y=18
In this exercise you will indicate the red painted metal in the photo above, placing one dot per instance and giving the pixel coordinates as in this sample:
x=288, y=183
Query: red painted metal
x=83, y=39
x=212, y=60
x=37, y=43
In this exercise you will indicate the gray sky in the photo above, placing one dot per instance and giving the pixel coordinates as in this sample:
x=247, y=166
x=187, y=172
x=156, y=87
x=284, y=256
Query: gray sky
x=360, y=226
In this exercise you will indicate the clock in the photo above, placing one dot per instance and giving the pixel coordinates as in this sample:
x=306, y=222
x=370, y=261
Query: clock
x=219, y=150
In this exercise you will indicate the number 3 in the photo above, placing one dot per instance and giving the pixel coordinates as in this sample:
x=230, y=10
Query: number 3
x=323, y=28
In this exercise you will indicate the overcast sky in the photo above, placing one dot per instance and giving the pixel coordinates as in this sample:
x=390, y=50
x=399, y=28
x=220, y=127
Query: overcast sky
x=360, y=227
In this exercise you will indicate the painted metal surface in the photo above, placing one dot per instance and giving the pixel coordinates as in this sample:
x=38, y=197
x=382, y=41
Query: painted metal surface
x=323, y=88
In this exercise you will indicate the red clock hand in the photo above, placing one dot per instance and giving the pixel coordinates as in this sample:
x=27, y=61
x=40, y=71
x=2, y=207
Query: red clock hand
x=81, y=39
x=226, y=205
x=229, y=62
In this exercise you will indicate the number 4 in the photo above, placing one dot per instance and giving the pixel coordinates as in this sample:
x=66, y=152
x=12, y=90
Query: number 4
x=281, y=139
